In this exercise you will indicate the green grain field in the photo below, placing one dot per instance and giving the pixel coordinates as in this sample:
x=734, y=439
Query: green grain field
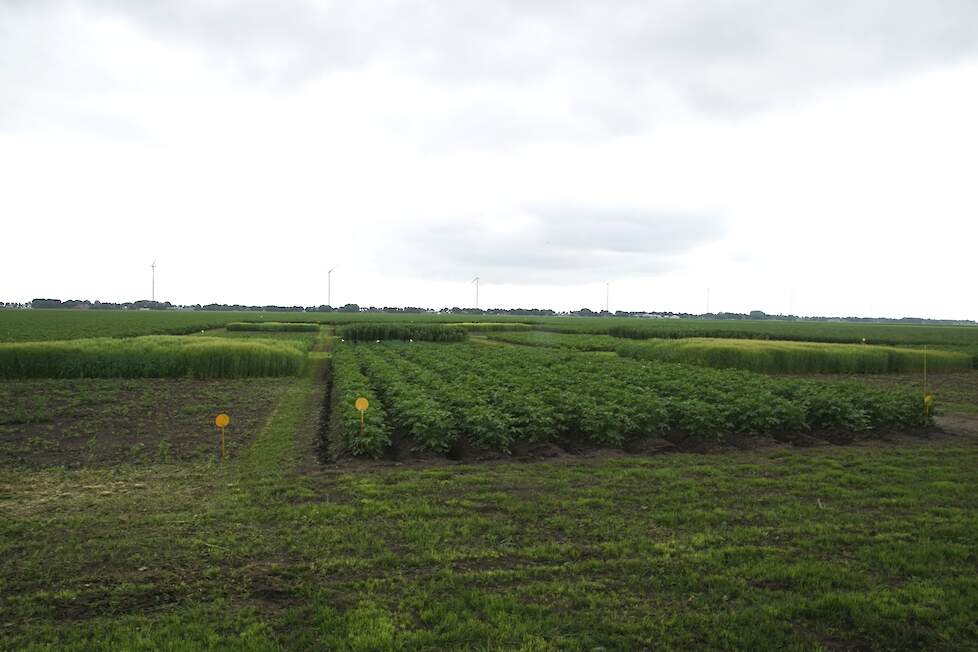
x=151, y=356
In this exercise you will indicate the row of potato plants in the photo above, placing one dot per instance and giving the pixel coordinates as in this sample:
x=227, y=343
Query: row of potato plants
x=494, y=396
x=347, y=434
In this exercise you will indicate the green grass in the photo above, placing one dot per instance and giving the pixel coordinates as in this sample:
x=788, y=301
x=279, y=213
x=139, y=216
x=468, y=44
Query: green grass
x=833, y=548
x=151, y=356
x=795, y=357
x=274, y=326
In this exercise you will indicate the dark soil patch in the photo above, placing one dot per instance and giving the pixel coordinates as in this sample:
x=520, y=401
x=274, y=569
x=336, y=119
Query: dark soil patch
x=465, y=451
x=404, y=448
x=650, y=446
x=84, y=422
x=538, y=450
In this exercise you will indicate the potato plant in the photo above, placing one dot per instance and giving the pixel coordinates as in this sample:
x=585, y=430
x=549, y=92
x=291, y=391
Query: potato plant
x=492, y=396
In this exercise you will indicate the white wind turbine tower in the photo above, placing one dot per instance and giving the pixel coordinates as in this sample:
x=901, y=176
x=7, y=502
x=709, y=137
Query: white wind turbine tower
x=153, y=290
x=476, y=281
x=329, y=287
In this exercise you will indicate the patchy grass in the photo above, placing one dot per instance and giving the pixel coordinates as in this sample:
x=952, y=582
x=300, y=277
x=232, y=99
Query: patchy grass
x=863, y=547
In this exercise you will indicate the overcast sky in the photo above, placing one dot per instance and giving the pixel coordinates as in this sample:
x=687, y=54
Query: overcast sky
x=813, y=156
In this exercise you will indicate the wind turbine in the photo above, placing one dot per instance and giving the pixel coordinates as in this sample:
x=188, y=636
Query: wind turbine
x=153, y=291
x=476, y=281
x=329, y=287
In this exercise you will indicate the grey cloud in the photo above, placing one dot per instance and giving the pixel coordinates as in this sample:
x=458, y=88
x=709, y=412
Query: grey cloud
x=609, y=68
x=555, y=245
x=712, y=49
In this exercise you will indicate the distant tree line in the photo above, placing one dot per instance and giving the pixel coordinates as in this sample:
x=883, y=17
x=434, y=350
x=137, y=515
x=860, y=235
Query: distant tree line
x=80, y=304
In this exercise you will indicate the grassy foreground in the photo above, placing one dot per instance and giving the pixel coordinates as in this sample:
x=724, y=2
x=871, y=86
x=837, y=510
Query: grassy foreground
x=869, y=546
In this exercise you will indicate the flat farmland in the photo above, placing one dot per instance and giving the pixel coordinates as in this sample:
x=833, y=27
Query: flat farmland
x=498, y=496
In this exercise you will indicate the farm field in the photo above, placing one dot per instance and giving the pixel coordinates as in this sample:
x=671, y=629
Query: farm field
x=31, y=325
x=498, y=496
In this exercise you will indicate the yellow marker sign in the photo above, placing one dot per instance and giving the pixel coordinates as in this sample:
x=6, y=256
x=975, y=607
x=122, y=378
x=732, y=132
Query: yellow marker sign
x=222, y=421
x=361, y=404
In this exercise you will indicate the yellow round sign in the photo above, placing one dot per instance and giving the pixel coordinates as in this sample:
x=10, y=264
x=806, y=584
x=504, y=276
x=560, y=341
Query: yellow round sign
x=362, y=404
x=222, y=420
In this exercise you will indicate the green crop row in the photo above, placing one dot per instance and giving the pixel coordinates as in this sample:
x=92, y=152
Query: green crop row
x=795, y=357
x=832, y=332
x=274, y=326
x=573, y=341
x=440, y=395
x=150, y=356
x=491, y=326
x=418, y=332
x=346, y=433
x=757, y=355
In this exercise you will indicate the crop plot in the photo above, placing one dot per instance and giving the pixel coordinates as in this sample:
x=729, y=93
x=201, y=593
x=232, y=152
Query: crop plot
x=441, y=396
x=274, y=327
x=151, y=356
x=81, y=422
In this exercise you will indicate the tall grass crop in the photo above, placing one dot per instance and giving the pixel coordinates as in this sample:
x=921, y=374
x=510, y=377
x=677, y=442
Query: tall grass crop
x=151, y=356
x=794, y=357
x=491, y=326
x=274, y=326
x=419, y=332
x=832, y=332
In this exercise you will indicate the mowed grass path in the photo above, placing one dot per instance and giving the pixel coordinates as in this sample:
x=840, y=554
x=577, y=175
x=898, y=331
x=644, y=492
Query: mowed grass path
x=869, y=546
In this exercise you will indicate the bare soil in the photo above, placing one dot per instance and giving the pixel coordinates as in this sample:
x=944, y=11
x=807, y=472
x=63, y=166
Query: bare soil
x=84, y=422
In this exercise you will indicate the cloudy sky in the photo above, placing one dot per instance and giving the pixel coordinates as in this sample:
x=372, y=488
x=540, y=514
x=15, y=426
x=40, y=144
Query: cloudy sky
x=817, y=156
